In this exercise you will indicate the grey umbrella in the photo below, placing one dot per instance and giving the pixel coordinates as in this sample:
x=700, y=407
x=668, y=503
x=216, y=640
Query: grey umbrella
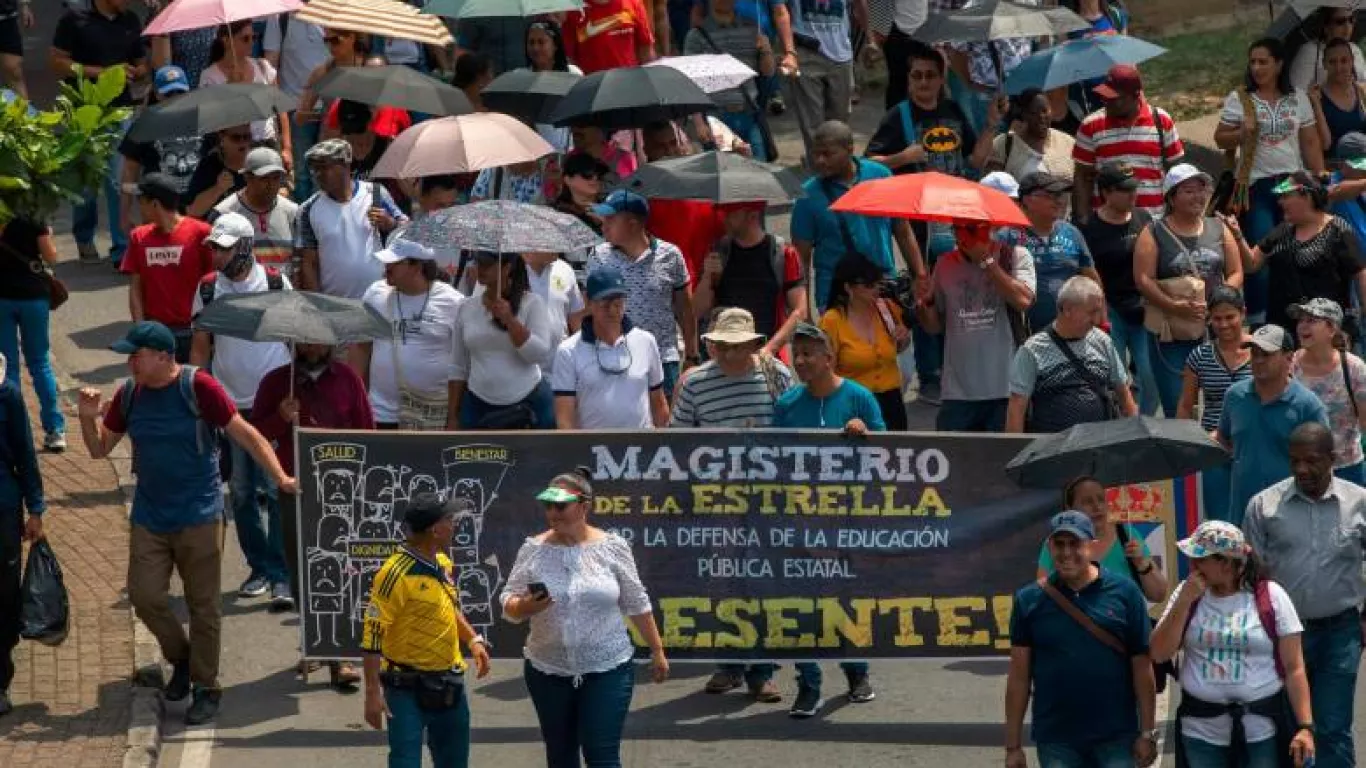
x=502, y=226
x=1139, y=449
x=528, y=95
x=211, y=108
x=394, y=85
x=984, y=20
x=293, y=317
x=630, y=97
x=721, y=177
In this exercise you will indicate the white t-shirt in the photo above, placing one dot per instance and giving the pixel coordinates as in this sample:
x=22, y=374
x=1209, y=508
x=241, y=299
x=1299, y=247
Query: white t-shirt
x=261, y=73
x=426, y=328
x=1278, y=137
x=1307, y=69
x=239, y=365
x=1228, y=657
x=604, y=398
x=557, y=285
x=494, y=370
x=345, y=239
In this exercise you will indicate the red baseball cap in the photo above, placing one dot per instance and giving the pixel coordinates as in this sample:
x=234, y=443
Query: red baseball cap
x=1121, y=79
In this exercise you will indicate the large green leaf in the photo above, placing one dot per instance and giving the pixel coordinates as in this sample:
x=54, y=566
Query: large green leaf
x=111, y=83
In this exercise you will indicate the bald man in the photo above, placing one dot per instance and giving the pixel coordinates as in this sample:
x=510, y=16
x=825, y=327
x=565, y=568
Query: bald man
x=1308, y=530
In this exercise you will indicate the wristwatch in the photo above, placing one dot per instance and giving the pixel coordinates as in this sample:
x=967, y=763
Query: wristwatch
x=1305, y=727
x=986, y=263
x=479, y=640
x=1152, y=735
x=1149, y=569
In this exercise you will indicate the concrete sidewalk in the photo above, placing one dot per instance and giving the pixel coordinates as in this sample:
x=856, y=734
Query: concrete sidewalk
x=73, y=702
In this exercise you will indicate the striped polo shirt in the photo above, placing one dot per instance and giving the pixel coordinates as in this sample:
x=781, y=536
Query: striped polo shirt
x=710, y=398
x=274, y=243
x=1101, y=140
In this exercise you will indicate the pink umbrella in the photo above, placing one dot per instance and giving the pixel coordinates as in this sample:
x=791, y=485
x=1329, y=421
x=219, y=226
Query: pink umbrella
x=460, y=144
x=197, y=14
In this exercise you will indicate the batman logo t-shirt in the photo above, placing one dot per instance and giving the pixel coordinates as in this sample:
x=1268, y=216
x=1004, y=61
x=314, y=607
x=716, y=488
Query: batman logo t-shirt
x=944, y=131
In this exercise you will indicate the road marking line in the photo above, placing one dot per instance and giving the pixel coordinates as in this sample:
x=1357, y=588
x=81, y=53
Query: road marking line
x=196, y=747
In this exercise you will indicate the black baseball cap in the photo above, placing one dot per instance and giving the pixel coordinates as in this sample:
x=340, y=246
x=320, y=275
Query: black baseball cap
x=427, y=509
x=1045, y=181
x=1118, y=176
x=161, y=188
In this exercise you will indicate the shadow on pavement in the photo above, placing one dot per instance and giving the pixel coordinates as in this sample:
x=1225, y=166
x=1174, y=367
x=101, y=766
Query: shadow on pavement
x=37, y=722
x=981, y=667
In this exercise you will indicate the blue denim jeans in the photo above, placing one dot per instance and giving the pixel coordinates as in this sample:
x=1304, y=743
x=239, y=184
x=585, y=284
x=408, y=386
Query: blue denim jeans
x=447, y=732
x=971, y=416
x=755, y=674
x=258, y=527
x=1118, y=753
x=1169, y=361
x=1214, y=491
x=85, y=216
x=1262, y=215
x=671, y=372
x=473, y=409
x=303, y=136
x=1202, y=754
x=24, y=325
x=585, y=717
x=809, y=672
x=1131, y=342
x=1332, y=652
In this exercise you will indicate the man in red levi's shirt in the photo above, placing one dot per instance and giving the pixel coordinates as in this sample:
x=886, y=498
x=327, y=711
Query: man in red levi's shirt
x=166, y=259
x=607, y=34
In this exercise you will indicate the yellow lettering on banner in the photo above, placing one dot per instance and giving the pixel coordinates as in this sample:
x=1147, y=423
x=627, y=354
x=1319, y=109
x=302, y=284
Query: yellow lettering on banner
x=336, y=453
x=1001, y=606
x=951, y=621
x=678, y=628
x=738, y=497
x=766, y=491
x=904, y=608
x=889, y=505
x=835, y=623
x=830, y=500
x=857, y=505
x=931, y=501
x=704, y=498
x=737, y=612
x=775, y=610
x=799, y=500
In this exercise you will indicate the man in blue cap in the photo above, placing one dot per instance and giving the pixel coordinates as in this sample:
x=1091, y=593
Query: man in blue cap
x=658, y=294
x=172, y=413
x=609, y=375
x=1081, y=638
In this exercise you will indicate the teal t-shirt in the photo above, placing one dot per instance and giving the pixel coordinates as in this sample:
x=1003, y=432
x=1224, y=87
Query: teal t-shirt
x=798, y=408
x=1114, y=560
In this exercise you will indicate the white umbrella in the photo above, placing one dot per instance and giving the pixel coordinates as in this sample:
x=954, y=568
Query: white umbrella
x=461, y=144
x=713, y=72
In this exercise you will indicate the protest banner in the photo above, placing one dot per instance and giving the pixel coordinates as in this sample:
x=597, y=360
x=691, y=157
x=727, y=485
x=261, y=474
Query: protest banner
x=753, y=544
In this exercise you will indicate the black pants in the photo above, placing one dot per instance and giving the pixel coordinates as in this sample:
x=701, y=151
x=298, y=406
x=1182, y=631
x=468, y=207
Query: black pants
x=893, y=409
x=11, y=564
x=289, y=536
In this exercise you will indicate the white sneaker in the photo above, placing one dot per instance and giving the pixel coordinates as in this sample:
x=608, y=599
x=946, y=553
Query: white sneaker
x=54, y=442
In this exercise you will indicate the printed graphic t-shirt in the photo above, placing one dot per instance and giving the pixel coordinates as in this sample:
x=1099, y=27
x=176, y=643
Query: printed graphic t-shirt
x=607, y=35
x=944, y=131
x=170, y=267
x=1228, y=657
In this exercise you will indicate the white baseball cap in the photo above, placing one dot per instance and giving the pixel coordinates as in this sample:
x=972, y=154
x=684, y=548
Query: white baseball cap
x=230, y=228
x=1002, y=182
x=1182, y=173
x=399, y=250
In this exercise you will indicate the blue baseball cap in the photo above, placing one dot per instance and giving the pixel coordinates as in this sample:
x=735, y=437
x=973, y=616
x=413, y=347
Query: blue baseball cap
x=171, y=79
x=1073, y=522
x=148, y=334
x=606, y=283
x=623, y=201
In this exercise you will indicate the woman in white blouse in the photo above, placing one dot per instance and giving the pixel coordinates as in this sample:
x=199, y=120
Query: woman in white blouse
x=574, y=583
x=232, y=63
x=501, y=337
x=1244, y=693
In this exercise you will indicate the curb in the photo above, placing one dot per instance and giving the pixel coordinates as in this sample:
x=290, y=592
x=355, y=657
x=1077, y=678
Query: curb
x=143, y=747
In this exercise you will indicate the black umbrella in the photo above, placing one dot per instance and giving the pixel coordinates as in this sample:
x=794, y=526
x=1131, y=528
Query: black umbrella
x=211, y=108
x=721, y=177
x=999, y=20
x=528, y=95
x=631, y=97
x=394, y=85
x=292, y=317
x=1134, y=450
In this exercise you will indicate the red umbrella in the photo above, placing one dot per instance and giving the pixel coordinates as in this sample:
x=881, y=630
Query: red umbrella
x=932, y=196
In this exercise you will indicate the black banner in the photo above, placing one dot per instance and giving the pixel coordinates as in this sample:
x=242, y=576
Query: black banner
x=756, y=544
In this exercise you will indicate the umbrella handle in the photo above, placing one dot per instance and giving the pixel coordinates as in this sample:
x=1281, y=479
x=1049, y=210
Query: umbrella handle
x=292, y=355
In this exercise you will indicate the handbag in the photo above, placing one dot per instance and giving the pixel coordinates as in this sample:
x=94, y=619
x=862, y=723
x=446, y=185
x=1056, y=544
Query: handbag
x=1231, y=190
x=57, y=292
x=416, y=410
x=1162, y=324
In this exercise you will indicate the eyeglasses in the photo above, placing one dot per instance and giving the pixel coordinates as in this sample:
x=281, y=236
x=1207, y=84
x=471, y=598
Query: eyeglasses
x=619, y=368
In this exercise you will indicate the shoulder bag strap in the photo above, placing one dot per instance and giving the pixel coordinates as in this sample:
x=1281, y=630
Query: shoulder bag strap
x=845, y=234
x=1161, y=135
x=1070, y=608
x=1266, y=612
x=1347, y=381
x=1101, y=389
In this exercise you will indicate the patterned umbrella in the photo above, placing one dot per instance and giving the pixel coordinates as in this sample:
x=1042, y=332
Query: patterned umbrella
x=713, y=72
x=382, y=18
x=502, y=226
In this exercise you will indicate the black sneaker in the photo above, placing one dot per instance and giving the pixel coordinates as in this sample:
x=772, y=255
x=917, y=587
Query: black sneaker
x=205, y=706
x=179, y=686
x=930, y=393
x=807, y=703
x=860, y=690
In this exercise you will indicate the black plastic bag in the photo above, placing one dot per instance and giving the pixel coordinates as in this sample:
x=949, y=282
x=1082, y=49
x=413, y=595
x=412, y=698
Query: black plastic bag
x=44, y=608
